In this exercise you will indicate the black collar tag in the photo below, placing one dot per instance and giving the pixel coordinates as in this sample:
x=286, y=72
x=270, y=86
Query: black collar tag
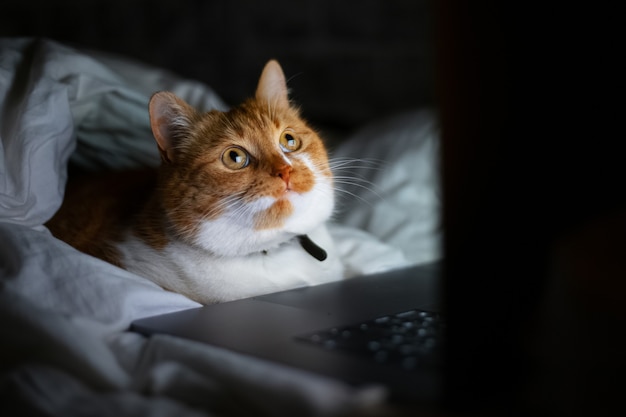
x=310, y=246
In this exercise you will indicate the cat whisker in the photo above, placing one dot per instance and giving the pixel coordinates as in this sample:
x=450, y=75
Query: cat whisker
x=236, y=210
x=356, y=196
x=229, y=202
x=357, y=181
x=360, y=186
x=369, y=163
x=240, y=210
x=243, y=211
x=353, y=166
x=354, y=176
x=354, y=169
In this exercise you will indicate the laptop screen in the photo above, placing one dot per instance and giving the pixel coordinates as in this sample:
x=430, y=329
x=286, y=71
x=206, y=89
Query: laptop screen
x=534, y=216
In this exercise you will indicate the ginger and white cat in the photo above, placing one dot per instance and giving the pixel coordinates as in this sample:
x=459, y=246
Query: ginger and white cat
x=232, y=211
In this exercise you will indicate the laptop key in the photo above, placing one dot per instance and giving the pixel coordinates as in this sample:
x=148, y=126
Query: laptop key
x=406, y=339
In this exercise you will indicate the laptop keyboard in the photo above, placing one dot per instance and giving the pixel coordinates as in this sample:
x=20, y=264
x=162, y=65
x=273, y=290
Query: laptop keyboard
x=409, y=340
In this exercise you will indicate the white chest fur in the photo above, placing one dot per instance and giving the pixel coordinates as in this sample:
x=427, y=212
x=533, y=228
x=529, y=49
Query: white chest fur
x=208, y=278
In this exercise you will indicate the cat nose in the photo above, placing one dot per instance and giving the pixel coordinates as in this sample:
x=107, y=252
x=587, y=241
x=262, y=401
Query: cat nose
x=283, y=172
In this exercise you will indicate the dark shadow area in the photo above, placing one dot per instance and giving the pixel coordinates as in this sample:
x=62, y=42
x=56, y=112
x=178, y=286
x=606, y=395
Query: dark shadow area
x=347, y=62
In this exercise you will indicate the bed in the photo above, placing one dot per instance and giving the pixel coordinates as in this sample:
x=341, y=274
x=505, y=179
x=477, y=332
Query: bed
x=66, y=348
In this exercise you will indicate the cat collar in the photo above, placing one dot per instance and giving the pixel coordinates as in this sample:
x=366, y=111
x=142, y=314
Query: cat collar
x=312, y=248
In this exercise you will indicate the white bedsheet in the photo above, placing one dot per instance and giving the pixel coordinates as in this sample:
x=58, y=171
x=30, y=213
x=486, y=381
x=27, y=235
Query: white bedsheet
x=65, y=349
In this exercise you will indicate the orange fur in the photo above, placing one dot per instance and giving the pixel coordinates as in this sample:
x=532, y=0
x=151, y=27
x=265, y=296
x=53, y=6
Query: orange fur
x=193, y=183
x=97, y=208
x=274, y=216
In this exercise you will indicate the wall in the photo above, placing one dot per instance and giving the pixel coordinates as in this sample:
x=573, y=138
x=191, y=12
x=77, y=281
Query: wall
x=348, y=61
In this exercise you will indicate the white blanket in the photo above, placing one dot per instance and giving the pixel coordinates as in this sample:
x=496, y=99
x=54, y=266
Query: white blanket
x=65, y=346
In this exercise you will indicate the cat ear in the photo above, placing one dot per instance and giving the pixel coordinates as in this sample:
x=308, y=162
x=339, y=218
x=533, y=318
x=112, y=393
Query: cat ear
x=272, y=86
x=170, y=120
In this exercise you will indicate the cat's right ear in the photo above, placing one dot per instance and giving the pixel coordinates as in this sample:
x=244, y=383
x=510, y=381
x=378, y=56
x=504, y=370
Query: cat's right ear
x=170, y=120
x=272, y=87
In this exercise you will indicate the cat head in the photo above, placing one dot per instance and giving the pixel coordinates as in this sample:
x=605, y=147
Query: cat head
x=244, y=180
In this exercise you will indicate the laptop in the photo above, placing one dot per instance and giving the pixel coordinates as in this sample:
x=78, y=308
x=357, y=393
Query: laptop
x=385, y=329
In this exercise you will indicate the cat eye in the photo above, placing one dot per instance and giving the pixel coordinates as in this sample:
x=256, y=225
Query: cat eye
x=235, y=158
x=289, y=142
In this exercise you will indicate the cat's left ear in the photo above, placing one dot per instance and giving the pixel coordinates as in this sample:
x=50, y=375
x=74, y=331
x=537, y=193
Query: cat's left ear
x=272, y=86
x=170, y=120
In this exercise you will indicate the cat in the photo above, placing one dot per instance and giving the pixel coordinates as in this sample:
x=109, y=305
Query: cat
x=237, y=208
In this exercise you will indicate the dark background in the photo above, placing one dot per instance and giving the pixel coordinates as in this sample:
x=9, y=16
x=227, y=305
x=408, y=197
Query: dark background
x=347, y=61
